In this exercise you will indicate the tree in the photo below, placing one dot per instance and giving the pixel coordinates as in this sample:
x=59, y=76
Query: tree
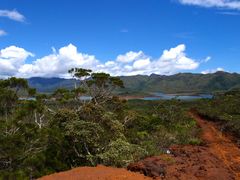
x=80, y=74
x=98, y=85
x=8, y=100
x=21, y=140
x=62, y=95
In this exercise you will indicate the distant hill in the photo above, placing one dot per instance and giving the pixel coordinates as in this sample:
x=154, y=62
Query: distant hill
x=141, y=84
x=50, y=84
x=182, y=83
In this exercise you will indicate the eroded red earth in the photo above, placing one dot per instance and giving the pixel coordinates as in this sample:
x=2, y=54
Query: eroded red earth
x=96, y=173
x=217, y=159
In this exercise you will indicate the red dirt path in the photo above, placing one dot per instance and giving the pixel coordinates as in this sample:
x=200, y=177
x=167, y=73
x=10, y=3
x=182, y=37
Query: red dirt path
x=96, y=173
x=218, y=159
x=220, y=145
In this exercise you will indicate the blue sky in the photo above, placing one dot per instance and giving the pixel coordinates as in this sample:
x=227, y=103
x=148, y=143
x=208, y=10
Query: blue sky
x=122, y=37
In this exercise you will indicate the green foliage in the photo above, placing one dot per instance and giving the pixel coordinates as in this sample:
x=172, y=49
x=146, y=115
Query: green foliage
x=98, y=85
x=224, y=108
x=160, y=124
x=79, y=72
x=120, y=153
x=57, y=132
x=22, y=141
x=180, y=83
x=8, y=100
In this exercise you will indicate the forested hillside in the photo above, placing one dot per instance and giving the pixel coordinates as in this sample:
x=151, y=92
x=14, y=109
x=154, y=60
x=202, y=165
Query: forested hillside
x=140, y=84
x=182, y=83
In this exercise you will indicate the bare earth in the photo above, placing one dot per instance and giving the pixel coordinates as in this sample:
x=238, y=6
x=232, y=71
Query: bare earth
x=221, y=145
x=96, y=173
x=218, y=159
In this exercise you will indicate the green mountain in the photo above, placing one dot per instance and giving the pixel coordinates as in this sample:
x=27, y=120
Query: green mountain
x=182, y=83
x=141, y=84
x=50, y=84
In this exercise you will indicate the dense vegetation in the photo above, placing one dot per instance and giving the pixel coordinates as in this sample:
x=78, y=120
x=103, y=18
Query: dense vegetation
x=57, y=132
x=223, y=108
x=182, y=83
x=140, y=84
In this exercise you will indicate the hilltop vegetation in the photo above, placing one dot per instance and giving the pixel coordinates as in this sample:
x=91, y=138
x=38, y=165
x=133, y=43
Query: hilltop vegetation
x=223, y=108
x=140, y=84
x=182, y=83
x=58, y=132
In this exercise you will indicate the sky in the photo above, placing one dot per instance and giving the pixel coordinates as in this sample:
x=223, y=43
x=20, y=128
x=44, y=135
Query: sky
x=45, y=38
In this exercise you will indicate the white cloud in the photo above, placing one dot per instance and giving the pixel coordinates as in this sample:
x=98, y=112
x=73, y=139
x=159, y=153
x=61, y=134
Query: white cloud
x=208, y=58
x=2, y=32
x=56, y=64
x=210, y=71
x=13, y=15
x=227, y=4
x=141, y=64
x=130, y=57
x=175, y=59
x=11, y=59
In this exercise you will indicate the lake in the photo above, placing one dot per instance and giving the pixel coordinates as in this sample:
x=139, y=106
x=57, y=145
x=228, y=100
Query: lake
x=27, y=98
x=162, y=96
x=156, y=96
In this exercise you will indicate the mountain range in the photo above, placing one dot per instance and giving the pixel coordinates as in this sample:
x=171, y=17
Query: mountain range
x=143, y=84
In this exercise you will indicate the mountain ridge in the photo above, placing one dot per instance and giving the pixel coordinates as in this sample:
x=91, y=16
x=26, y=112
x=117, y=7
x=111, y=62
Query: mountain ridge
x=144, y=84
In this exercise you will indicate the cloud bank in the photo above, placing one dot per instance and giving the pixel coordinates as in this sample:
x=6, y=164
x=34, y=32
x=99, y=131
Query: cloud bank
x=13, y=62
x=226, y=4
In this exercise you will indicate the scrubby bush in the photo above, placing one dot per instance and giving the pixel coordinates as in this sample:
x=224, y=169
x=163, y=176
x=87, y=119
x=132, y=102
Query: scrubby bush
x=158, y=125
x=223, y=108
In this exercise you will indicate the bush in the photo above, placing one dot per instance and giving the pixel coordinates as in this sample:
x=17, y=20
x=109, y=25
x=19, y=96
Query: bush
x=120, y=153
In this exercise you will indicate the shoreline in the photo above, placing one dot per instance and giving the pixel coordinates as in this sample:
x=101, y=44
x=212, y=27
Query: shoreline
x=153, y=95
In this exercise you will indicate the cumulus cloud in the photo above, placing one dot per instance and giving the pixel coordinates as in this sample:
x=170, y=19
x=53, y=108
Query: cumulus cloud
x=2, y=32
x=227, y=4
x=176, y=59
x=11, y=60
x=13, y=15
x=210, y=71
x=130, y=57
x=56, y=64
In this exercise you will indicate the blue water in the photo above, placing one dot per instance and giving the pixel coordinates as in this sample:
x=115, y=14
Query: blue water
x=27, y=98
x=162, y=96
x=157, y=96
x=85, y=98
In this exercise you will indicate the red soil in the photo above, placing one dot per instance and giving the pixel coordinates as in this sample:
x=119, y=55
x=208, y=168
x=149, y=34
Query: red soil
x=221, y=146
x=96, y=173
x=219, y=159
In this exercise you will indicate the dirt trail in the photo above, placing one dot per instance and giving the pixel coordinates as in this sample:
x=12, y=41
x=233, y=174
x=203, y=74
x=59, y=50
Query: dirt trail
x=220, y=145
x=218, y=158
x=96, y=173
